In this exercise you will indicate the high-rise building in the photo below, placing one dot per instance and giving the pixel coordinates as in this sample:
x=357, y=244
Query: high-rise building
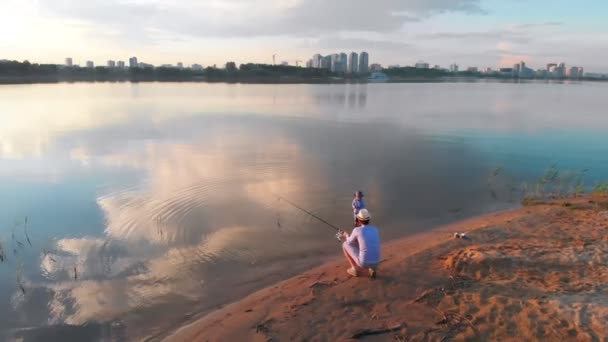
x=90, y=64
x=326, y=62
x=560, y=71
x=575, y=72
x=343, y=62
x=339, y=62
x=454, y=67
x=120, y=64
x=524, y=71
x=363, y=63
x=516, y=70
x=421, y=65
x=551, y=66
x=68, y=62
x=353, y=63
x=316, y=60
x=335, y=62
x=309, y=63
x=180, y=65
x=111, y=64
x=133, y=62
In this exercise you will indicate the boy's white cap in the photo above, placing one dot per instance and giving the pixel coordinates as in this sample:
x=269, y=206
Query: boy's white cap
x=364, y=215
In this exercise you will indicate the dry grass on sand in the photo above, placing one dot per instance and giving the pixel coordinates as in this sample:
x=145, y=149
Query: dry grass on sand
x=536, y=273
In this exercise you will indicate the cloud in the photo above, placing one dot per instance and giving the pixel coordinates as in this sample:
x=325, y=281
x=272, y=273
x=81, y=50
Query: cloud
x=547, y=24
x=359, y=44
x=518, y=36
x=240, y=18
x=508, y=60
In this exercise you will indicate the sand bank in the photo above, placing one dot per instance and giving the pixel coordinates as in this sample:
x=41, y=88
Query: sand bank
x=535, y=273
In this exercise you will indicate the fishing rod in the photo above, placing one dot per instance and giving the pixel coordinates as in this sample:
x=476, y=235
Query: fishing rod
x=309, y=213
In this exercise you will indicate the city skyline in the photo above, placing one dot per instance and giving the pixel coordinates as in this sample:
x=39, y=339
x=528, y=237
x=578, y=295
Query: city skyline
x=358, y=64
x=345, y=65
x=485, y=33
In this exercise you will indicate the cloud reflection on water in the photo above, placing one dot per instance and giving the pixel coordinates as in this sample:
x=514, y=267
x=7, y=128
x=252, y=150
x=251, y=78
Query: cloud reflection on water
x=160, y=240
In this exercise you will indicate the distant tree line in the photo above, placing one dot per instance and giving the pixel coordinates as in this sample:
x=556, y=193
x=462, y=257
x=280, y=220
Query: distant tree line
x=419, y=73
x=25, y=72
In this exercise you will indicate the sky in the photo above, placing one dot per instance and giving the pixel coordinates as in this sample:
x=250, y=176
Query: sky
x=482, y=33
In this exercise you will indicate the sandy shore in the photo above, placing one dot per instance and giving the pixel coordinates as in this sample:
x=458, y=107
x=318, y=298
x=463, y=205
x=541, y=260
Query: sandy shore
x=535, y=273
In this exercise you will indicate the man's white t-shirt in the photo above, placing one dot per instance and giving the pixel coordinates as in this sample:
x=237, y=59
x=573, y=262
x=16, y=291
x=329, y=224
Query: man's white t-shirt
x=367, y=239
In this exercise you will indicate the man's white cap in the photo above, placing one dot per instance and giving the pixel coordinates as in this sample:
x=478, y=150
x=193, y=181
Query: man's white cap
x=364, y=215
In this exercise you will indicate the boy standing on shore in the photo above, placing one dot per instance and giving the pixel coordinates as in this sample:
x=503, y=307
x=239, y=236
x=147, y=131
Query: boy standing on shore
x=358, y=204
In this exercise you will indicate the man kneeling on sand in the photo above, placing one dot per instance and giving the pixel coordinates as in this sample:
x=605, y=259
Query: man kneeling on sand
x=362, y=247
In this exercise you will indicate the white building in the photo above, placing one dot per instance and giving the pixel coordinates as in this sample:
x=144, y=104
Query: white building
x=180, y=65
x=133, y=62
x=111, y=64
x=363, y=63
x=375, y=67
x=68, y=62
x=453, y=67
x=422, y=65
x=197, y=67
x=560, y=71
x=90, y=64
x=120, y=64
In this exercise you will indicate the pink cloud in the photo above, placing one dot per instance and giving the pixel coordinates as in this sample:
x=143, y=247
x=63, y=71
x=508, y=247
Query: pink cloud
x=508, y=60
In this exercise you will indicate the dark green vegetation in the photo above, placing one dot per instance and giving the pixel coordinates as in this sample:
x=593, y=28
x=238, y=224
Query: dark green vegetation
x=25, y=72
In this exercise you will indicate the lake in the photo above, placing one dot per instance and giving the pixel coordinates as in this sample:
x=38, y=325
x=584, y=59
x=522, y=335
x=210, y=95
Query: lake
x=129, y=209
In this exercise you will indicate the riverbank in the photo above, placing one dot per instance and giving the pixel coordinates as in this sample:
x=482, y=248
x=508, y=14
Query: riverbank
x=535, y=273
x=281, y=80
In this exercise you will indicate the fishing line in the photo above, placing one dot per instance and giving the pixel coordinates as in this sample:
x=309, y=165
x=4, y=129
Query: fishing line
x=308, y=212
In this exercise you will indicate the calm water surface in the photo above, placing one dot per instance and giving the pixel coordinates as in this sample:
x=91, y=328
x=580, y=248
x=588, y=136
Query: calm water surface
x=148, y=204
